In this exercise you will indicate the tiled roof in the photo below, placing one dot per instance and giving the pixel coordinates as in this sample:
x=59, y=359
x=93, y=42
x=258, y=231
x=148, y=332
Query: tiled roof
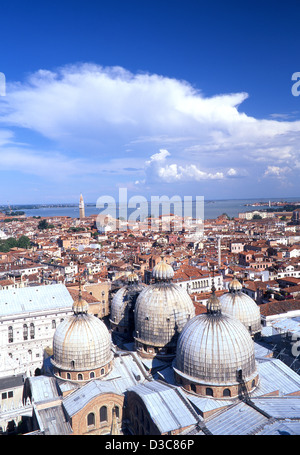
x=278, y=307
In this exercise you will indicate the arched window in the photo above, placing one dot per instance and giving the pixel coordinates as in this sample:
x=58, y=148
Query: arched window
x=72, y=364
x=68, y=376
x=80, y=377
x=91, y=419
x=253, y=383
x=32, y=331
x=193, y=388
x=92, y=374
x=226, y=393
x=117, y=411
x=53, y=324
x=25, y=332
x=10, y=334
x=102, y=371
x=103, y=414
x=209, y=392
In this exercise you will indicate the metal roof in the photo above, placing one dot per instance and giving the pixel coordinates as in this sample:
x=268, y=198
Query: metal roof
x=167, y=405
x=52, y=421
x=35, y=298
x=10, y=382
x=262, y=349
x=79, y=399
x=276, y=375
x=127, y=372
x=286, y=427
x=203, y=404
x=280, y=407
x=287, y=325
x=238, y=419
x=43, y=388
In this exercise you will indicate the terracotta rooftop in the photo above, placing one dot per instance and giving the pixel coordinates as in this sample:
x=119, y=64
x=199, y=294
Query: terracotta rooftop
x=278, y=307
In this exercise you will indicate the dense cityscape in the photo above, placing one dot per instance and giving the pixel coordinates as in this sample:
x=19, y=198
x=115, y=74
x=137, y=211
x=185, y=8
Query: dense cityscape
x=149, y=222
x=59, y=272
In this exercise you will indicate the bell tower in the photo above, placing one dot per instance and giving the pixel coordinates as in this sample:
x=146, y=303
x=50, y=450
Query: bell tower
x=81, y=208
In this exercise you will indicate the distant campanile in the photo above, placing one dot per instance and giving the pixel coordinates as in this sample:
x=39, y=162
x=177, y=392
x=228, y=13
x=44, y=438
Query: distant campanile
x=81, y=208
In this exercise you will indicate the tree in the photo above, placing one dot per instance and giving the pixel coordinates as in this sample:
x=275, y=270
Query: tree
x=11, y=242
x=23, y=242
x=43, y=224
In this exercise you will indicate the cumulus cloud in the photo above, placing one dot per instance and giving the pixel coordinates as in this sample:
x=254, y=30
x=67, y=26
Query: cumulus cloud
x=92, y=115
x=275, y=171
x=157, y=169
x=231, y=172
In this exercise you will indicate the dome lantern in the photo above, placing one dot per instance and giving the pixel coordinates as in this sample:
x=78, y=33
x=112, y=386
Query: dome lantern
x=213, y=303
x=163, y=272
x=80, y=305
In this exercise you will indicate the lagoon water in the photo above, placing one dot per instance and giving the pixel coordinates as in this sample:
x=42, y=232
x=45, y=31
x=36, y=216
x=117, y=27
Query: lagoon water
x=211, y=209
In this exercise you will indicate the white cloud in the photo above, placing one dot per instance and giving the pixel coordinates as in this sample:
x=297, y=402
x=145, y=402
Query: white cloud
x=275, y=171
x=157, y=169
x=92, y=116
x=160, y=156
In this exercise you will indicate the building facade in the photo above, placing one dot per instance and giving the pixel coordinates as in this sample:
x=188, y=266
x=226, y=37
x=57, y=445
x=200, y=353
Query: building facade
x=28, y=320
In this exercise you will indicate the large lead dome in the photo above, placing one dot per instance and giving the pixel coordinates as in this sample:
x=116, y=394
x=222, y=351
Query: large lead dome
x=215, y=354
x=239, y=305
x=122, y=307
x=162, y=310
x=81, y=346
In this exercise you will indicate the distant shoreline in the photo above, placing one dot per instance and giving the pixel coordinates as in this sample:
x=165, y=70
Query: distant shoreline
x=212, y=208
x=263, y=202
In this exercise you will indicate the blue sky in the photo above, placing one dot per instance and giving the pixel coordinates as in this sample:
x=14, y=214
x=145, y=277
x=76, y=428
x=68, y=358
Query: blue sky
x=160, y=97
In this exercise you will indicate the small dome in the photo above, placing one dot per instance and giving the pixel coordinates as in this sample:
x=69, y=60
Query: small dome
x=235, y=285
x=81, y=342
x=240, y=306
x=122, y=306
x=132, y=277
x=163, y=272
x=80, y=305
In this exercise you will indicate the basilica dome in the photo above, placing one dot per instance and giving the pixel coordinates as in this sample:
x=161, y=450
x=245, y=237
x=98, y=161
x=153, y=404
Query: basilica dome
x=122, y=306
x=215, y=354
x=239, y=305
x=81, y=345
x=162, y=310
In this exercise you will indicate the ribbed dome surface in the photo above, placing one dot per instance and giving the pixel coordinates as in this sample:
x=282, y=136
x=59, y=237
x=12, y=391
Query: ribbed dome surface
x=212, y=348
x=243, y=308
x=124, y=301
x=161, y=312
x=81, y=342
